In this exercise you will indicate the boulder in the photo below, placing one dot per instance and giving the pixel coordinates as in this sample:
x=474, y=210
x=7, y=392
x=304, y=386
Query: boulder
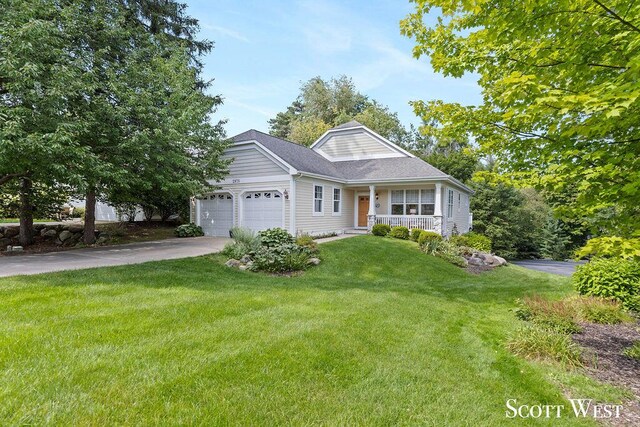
x=313, y=261
x=243, y=267
x=102, y=240
x=245, y=259
x=76, y=228
x=38, y=227
x=11, y=231
x=233, y=263
x=48, y=233
x=487, y=258
x=65, y=235
x=476, y=260
x=500, y=260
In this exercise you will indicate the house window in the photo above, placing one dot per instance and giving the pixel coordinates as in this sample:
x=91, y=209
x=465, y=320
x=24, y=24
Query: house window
x=413, y=202
x=459, y=200
x=450, y=204
x=337, y=199
x=317, y=199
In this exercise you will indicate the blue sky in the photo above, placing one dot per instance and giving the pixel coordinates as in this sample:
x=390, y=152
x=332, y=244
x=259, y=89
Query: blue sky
x=264, y=50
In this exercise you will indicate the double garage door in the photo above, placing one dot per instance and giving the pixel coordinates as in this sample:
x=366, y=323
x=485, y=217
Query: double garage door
x=259, y=210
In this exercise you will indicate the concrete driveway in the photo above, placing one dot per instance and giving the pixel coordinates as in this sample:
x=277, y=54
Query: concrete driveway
x=133, y=253
x=563, y=268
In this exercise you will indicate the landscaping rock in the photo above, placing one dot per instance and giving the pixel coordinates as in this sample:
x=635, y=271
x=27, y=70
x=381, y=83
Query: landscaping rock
x=243, y=267
x=487, y=258
x=500, y=260
x=101, y=240
x=245, y=259
x=475, y=260
x=313, y=261
x=65, y=235
x=48, y=233
x=38, y=227
x=11, y=231
x=233, y=263
x=249, y=265
x=76, y=228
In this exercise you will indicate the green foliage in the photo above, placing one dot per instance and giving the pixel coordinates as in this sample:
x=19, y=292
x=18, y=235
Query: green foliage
x=307, y=241
x=77, y=213
x=603, y=311
x=559, y=316
x=633, y=351
x=560, y=94
x=275, y=237
x=415, y=234
x=429, y=236
x=445, y=250
x=611, y=278
x=47, y=200
x=235, y=250
x=399, y=232
x=537, y=343
x=472, y=240
x=282, y=258
x=459, y=164
x=322, y=105
x=615, y=247
x=245, y=242
x=380, y=229
x=189, y=230
x=555, y=242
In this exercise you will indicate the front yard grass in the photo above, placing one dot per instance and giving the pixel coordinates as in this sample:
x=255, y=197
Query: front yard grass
x=378, y=334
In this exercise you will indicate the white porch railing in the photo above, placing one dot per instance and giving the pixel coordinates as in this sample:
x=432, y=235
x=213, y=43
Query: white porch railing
x=423, y=222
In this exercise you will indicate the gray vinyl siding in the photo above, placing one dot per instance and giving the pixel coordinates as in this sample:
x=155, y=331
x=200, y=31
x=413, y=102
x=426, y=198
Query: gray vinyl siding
x=460, y=210
x=250, y=162
x=356, y=144
x=306, y=222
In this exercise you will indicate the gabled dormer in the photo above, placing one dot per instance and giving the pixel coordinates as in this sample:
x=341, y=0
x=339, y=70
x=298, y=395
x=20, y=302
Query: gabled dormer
x=354, y=141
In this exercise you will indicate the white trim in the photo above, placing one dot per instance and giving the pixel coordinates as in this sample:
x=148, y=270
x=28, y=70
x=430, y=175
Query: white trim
x=250, y=180
x=333, y=200
x=259, y=190
x=319, y=142
x=363, y=157
x=313, y=199
x=292, y=206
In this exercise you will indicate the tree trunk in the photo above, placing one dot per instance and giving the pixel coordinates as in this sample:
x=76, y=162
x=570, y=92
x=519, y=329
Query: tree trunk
x=90, y=218
x=26, y=213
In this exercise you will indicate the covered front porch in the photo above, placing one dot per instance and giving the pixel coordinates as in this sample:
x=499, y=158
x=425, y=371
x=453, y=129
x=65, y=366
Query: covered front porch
x=416, y=205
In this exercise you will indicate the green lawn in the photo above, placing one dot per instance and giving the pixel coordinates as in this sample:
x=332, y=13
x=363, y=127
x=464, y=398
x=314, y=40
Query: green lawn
x=378, y=334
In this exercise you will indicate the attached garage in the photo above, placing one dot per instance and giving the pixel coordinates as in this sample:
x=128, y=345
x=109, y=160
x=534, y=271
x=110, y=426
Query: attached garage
x=262, y=210
x=215, y=214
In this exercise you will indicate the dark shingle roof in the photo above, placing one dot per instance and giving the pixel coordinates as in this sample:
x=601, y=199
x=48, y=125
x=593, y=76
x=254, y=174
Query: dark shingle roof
x=388, y=168
x=307, y=160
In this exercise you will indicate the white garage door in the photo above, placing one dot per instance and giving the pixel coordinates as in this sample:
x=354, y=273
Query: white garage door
x=262, y=210
x=216, y=214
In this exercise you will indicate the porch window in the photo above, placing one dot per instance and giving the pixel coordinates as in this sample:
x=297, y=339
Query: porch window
x=413, y=202
x=317, y=199
x=450, y=204
x=337, y=199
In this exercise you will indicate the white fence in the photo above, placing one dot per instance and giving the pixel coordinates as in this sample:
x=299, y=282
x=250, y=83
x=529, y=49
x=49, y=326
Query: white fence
x=423, y=222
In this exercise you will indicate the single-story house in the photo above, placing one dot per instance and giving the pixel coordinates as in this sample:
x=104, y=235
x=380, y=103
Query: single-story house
x=350, y=179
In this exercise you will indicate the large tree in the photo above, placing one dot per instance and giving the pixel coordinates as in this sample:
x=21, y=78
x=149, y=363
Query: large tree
x=322, y=105
x=560, y=88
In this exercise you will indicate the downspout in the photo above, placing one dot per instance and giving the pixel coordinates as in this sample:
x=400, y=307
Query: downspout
x=292, y=204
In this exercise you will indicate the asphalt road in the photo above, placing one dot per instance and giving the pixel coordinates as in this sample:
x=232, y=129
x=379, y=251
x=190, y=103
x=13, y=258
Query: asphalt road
x=563, y=268
x=105, y=256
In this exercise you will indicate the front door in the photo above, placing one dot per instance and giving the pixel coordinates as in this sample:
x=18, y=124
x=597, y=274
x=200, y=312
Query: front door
x=363, y=210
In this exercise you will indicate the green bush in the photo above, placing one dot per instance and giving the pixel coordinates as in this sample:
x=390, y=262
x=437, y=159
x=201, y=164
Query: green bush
x=611, y=278
x=281, y=259
x=472, y=240
x=428, y=236
x=633, y=351
x=306, y=241
x=78, y=213
x=600, y=310
x=274, y=237
x=188, y=230
x=611, y=247
x=235, y=250
x=415, y=234
x=399, y=232
x=560, y=316
x=448, y=252
x=380, y=230
x=534, y=342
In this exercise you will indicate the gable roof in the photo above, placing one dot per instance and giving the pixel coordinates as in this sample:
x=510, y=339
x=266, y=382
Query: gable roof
x=308, y=161
x=351, y=124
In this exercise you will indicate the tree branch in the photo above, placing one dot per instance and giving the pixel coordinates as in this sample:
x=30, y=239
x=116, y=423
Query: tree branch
x=8, y=177
x=617, y=17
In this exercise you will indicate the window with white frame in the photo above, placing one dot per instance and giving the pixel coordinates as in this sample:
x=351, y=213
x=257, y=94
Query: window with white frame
x=450, y=204
x=317, y=199
x=337, y=200
x=459, y=200
x=413, y=202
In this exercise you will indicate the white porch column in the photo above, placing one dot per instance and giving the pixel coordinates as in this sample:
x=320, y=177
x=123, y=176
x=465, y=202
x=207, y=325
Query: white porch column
x=437, y=210
x=371, y=216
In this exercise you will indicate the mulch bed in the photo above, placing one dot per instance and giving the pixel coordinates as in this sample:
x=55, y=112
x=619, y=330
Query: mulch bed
x=604, y=345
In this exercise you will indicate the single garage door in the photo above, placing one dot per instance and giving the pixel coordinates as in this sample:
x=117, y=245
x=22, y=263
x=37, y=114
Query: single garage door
x=216, y=214
x=262, y=210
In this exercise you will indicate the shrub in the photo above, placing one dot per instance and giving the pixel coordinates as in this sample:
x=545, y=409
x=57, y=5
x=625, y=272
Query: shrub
x=611, y=278
x=188, y=230
x=450, y=253
x=600, y=310
x=78, y=213
x=306, y=241
x=273, y=237
x=611, y=247
x=633, y=351
x=415, y=234
x=560, y=316
x=533, y=342
x=235, y=250
x=380, y=230
x=427, y=236
x=472, y=240
x=279, y=259
x=399, y=232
